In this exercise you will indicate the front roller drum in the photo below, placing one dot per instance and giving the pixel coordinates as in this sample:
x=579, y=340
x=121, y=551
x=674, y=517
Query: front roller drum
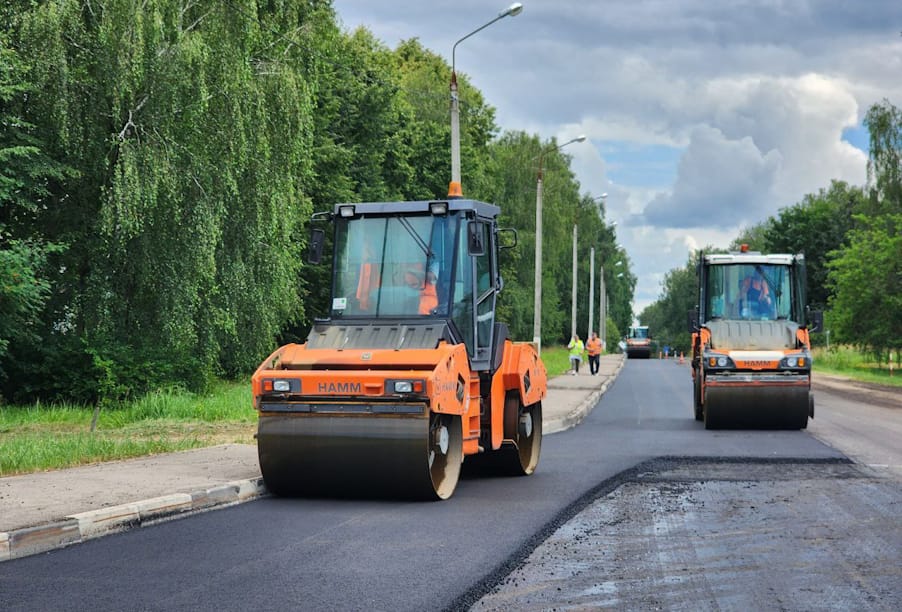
x=412, y=457
x=756, y=407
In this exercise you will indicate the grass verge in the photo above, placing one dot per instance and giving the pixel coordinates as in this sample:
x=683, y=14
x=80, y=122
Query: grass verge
x=556, y=360
x=850, y=363
x=40, y=437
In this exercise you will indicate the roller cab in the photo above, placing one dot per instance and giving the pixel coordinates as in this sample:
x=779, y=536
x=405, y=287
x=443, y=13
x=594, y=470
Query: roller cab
x=751, y=355
x=410, y=374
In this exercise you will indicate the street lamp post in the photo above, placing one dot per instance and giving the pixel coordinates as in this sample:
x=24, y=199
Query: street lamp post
x=537, y=302
x=591, y=289
x=601, y=199
x=603, y=304
x=455, y=188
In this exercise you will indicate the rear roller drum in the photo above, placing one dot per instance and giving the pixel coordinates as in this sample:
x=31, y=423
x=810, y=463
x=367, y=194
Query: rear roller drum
x=529, y=440
x=445, y=453
x=519, y=453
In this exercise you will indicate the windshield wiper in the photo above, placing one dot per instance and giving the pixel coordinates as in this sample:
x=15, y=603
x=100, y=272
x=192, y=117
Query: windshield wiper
x=413, y=233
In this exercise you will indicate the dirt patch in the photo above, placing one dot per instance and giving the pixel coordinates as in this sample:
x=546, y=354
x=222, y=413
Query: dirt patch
x=867, y=393
x=722, y=536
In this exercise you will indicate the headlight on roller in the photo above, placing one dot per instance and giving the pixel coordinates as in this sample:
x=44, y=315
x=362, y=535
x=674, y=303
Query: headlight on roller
x=719, y=361
x=796, y=362
x=405, y=386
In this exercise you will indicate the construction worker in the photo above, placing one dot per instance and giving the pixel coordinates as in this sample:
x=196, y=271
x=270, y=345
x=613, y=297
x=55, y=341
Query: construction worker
x=369, y=279
x=757, y=301
x=577, y=348
x=428, y=294
x=593, y=347
x=425, y=285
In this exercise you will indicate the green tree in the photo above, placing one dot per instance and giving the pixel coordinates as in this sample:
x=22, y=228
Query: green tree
x=884, y=123
x=865, y=273
x=25, y=173
x=190, y=127
x=866, y=277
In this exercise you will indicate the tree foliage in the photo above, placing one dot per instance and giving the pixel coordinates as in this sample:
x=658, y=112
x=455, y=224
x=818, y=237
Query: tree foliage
x=865, y=272
x=190, y=128
x=884, y=123
x=25, y=172
x=867, y=278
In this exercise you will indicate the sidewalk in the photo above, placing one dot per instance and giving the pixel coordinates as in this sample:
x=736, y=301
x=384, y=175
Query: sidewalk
x=48, y=510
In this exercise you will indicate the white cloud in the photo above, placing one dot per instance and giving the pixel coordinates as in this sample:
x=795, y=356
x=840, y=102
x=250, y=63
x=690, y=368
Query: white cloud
x=721, y=183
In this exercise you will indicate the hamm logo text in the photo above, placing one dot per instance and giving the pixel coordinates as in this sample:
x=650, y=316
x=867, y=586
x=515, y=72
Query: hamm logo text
x=338, y=387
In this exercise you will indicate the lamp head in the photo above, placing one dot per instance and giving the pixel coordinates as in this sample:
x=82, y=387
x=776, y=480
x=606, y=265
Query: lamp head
x=513, y=10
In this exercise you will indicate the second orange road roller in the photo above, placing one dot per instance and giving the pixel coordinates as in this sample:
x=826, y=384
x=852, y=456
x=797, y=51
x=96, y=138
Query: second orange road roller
x=410, y=375
x=751, y=350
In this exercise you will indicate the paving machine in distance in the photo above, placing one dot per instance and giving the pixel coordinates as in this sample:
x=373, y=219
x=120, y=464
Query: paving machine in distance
x=638, y=342
x=411, y=374
x=751, y=352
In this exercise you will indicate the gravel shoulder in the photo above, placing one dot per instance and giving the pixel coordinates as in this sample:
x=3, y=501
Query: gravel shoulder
x=735, y=535
x=854, y=390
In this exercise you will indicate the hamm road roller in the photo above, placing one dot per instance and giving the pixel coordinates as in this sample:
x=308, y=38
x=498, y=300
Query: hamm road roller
x=751, y=353
x=638, y=343
x=410, y=375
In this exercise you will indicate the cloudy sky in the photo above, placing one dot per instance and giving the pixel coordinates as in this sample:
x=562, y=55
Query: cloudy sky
x=702, y=116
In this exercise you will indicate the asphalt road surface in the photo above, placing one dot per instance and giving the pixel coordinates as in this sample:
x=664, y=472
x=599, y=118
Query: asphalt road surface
x=385, y=555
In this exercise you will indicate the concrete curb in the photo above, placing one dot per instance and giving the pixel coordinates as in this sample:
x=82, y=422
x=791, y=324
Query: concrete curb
x=576, y=416
x=84, y=526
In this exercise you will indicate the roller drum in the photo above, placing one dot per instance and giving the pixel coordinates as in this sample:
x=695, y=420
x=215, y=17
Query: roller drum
x=756, y=407
x=410, y=456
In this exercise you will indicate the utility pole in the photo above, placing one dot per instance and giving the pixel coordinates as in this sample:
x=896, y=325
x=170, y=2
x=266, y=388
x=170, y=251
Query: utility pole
x=602, y=310
x=591, y=289
x=537, y=298
x=573, y=299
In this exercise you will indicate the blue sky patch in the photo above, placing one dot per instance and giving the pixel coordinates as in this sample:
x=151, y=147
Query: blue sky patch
x=857, y=137
x=640, y=165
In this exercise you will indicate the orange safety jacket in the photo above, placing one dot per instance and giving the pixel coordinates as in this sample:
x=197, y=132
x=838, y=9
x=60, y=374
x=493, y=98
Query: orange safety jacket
x=428, y=298
x=369, y=280
x=593, y=346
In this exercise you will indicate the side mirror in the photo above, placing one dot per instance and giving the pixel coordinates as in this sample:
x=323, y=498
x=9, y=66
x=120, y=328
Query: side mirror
x=507, y=238
x=475, y=243
x=315, y=247
x=815, y=320
x=692, y=320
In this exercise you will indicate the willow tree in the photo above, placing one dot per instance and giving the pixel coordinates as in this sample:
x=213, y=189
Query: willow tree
x=190, y=127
